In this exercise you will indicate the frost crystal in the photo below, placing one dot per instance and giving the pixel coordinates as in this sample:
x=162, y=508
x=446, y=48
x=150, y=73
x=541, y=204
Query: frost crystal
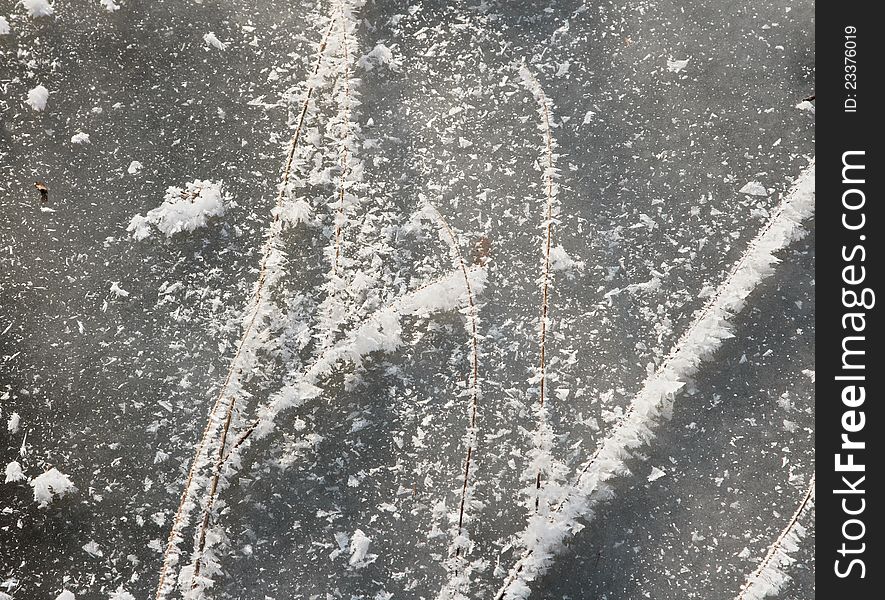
x=754, y=188
x=213, y=41
x=37, y=98
x=51, y=484
x=14, y=472
x=182, y=210
x=38, y=8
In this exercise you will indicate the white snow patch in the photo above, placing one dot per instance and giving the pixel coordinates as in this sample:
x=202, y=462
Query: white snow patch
x=561, y=261
x=134, y=167
x=674, y=66
x=109, y=5
x=213, y=41
x=13, y=422
x=754, y=188
x=80, y=138
x=66, y=595
x=51, y=484
x=120, y=292
x=359, y=549
x=14, y=472
x=379, y=56
x=4, y=26
x=38, y=8
x=182, y=210
x=656, y=474
x=588, y=117
x=121, y=594
x=292, y=213
x=37, y=98
x=93, y=549
x=806, y=105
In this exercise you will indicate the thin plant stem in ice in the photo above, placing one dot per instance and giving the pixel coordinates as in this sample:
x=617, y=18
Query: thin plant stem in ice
x=172, y=551
x=769, y=578
x=472, y=318
x=548, y=165
x=343, y=150
x=701, y=339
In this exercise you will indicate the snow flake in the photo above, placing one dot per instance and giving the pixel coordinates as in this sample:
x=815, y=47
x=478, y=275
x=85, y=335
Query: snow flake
x=14, y=472
x=38, y=8
x=37, y=98
x=51, y=484
x=754, y=188
x=674, y=66
x=213, y=41
x=13, y=422
x=183, y=209
x=120, y=292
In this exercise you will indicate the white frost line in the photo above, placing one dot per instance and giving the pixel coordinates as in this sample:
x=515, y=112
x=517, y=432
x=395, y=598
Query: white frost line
x=769, y=578
x=703, y=337
x=542, y=461
x=271, y=258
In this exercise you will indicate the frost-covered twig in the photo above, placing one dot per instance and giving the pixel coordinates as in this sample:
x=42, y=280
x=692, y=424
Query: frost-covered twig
x=230, y=389
x=459, y=569
x=769, y=578
x=708, y=330
x=543, y=461
x=345, y=102
x=344, y=132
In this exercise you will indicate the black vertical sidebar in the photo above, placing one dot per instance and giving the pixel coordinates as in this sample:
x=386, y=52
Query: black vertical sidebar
x=850, y=431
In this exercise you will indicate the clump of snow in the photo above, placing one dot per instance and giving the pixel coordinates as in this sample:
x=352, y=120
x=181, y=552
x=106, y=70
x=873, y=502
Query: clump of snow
x=121, y=594
x=66, y=595
x=754, y=188
x=14, y=472
x=4, y=26
x=359, y=549
x=120, y=292
x=38, y=8
x=561, y=261
x=806, y=105
x=51, y=484
x=110, y=5
x=13, y=422
x=588, y=117
x=379, y=56
x=674, y=66
x=182, y=210
x=80, y=138
x=292, y=213
x=37, y=98
x=134, y=167
x=213, y=41
x=656, y=474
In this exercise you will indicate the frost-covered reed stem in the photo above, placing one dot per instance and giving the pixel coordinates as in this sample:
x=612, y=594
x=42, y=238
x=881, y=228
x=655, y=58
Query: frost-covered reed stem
x=472, y=330
x=769, y=578
x=704, y=336
x=346, y=109
x=270, y=258
x=547, y=160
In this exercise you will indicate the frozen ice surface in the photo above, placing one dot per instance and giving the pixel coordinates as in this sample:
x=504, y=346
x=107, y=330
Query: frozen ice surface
x=112, y=352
